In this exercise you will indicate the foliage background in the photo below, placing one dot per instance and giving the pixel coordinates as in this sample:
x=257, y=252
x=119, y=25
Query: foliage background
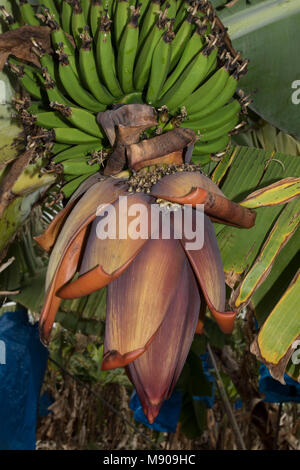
x=264, y=31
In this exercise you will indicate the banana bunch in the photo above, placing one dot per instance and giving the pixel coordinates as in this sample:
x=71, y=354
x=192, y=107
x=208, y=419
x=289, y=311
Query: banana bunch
x=174, y=55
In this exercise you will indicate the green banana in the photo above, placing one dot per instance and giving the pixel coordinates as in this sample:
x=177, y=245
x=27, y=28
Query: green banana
x=66, y=15
x=215, y=119
x=26, y=79
x=78, y=22
x=59, y=40
x=144, y=59
x=54, y=94
x=171, y=5
x=106, y=58
x=36, y=107
x=58, y=148
x=69, y=188
x=214, y=146
x=127, y=53
x=110, y=6
x=74, y=88
x=97, y=10
x=50, y=5
x=159, y=66
x=143, y=8
x=219, y=131
x=89, y=73
x=28, y=14
x=212, y=62
x=80, y=118
x=198, y=101
x=202, y=159
x=219, y=100
x=182, y=37
x=191, y=78
x=79, y=167
x=181, y=14
x=50, y=119
x=76, y=151
x=120, y=19
x=59, y=37
x=133, y=98
x=149, y=20
x=193, y=47
x=45, y=59
x=86, y=5
x=72, y=136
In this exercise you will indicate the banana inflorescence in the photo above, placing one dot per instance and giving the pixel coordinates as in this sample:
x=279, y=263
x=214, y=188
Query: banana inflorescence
x=174, y=55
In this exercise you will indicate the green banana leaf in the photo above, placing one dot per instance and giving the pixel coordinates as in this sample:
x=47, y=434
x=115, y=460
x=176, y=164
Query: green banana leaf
x=264, y=135
x=282, y=328
x=267, y=33
x=261, y=262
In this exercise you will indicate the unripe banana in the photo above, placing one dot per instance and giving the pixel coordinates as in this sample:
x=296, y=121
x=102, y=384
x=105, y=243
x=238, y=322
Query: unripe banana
x=86, y=5
x=79, y=167
x=127, y=53
x=193, y=47
x=50, y=119
x=78, y=22
x=66, y=15
x=149, y=20
x=197, y=102
x=79, y=118
x=89, y=73
x=69, y=188
x=106, y=58
x=191, y=78
x=215, y=119
x=28, y=14
x=58, y=148
x=219, y=98
x=74, y=88
x=143, y=63
x=50, y=5
x=121, y=19
x=214, y=146
x=181, y=14
x=219, y=131
x=54, y=94
x=143, y=8
x=72, y=136
x=78, y=151
x=26, y=77
x=96, y=11
x=182, y=37
x=159, y=66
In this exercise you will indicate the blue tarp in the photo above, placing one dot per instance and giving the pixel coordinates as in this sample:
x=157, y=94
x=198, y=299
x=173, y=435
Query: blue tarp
x=22, y=367
x=168, y=416
x=274, y=391
x=207, y=366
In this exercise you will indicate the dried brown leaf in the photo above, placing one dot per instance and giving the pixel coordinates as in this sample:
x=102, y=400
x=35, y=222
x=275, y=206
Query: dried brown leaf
x=18, y=43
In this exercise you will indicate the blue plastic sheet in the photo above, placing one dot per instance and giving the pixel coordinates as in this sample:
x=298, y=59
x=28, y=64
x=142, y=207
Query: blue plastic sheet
x=274, y=391
x=46, y=400
x=22, y=368
x=168, y=416
x=207, y=366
